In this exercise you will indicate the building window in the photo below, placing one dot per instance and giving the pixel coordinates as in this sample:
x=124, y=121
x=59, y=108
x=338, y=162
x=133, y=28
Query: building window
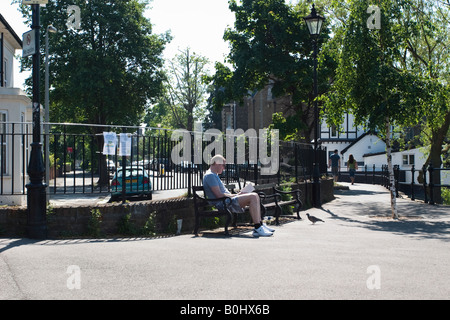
x=228, y=123
x=334, y=132
x=408, y=159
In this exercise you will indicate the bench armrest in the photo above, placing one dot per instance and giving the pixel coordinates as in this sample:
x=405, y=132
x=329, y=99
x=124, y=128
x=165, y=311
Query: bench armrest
x=296, y=192
x=226, y=200
x=263, y=196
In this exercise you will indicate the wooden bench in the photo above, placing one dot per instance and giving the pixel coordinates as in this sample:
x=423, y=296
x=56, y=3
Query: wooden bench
x=205, y=208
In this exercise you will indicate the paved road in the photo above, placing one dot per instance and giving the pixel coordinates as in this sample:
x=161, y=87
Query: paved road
x=356, y=254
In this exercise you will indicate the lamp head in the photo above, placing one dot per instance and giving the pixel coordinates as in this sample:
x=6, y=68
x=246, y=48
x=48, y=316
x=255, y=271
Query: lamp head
x=314, y=22
x=51, y=29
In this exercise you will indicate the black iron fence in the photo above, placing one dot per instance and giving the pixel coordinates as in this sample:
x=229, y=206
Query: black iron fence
x=423, y=184
x=75, y=161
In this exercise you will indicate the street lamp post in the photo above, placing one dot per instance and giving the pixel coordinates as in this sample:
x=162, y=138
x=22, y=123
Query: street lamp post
x=314, y=23
x=51, y=29
x=36, y=194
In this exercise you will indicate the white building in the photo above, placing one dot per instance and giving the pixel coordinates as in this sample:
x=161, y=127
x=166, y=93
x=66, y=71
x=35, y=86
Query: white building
x=352, y=140
x=369, y=150
x=15, y=109
x=405, y=159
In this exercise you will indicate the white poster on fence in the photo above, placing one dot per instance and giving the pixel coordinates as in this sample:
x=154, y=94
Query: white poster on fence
x=125, y=144
x=110, y=139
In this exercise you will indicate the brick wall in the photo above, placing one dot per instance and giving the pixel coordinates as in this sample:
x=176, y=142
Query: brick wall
x=73, y=220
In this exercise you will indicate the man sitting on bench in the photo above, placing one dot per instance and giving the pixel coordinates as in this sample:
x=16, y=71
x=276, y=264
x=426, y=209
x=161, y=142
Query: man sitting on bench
x=214, y=188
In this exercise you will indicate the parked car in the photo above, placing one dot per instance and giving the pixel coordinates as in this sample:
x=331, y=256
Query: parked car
x=137, y=183
x=111, y=166
x=142, y=163
x=184, y=166
x=167, y=162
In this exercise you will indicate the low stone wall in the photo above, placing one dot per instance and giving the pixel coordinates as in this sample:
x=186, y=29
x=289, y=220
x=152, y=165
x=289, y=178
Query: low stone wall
x=73, y=221
x=69, y=221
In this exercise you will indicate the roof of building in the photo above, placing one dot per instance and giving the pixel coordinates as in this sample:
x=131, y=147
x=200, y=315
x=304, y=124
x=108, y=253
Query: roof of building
x=368, y=133
x=9, y=34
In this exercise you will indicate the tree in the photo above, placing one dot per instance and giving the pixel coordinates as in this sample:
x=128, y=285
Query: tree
x=370, y=82
x=185, y=87
x=270, y=43
x=422, y=49
x=108, y=71
x=162, y=115
x=427, y=52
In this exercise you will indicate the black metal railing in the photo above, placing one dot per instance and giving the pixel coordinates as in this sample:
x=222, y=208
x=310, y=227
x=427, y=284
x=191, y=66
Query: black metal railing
x=15, y=139
x=415, y=183
x=429, y=188
x=73, y=156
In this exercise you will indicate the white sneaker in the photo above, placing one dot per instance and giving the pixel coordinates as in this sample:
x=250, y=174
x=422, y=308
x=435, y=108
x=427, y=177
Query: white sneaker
x=261, y=232
x=265, y=226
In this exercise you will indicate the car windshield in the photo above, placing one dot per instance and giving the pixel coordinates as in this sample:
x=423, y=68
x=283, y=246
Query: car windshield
x=134, y=173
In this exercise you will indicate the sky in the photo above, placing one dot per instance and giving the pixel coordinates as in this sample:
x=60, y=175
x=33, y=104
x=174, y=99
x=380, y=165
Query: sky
x=198, y=24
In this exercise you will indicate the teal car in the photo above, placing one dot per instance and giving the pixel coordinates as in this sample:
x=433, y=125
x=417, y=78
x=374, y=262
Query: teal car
x=137, y=183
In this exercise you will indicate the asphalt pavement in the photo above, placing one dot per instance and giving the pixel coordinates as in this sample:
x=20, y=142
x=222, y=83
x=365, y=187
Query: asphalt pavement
x=358, y=252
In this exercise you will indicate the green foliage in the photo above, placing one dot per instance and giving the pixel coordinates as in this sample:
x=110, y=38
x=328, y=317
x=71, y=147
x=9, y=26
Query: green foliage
x=369, y=83
x=270, y=43
x=125, y=226
x=445, y=196
x=212, y=223
x=108, y=71
x=398, y=73
x=166, y=116
x=185, y=88
x=172, y=225
x=149, y=228
x=94, y=223
x=290, y=127
x=286, y=197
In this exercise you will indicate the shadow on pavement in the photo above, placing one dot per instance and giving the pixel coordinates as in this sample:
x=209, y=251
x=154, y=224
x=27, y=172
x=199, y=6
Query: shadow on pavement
x=411, y=224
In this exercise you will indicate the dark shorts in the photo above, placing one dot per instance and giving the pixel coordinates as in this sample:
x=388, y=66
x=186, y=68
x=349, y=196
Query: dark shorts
x=233, y=206
x=335, y=171
x=352, y=173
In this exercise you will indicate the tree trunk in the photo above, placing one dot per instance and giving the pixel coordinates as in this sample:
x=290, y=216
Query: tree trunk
x=394, y=208
x=437, y=141
x=102, y=168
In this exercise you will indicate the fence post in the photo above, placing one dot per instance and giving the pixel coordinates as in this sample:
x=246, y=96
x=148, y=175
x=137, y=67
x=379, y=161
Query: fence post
x=373, y=174
x=424, y=171
x=64, y=158
x=124, y=173
x=296, y=163
x=190, y=171
x=431, y=184
x=396, y=178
